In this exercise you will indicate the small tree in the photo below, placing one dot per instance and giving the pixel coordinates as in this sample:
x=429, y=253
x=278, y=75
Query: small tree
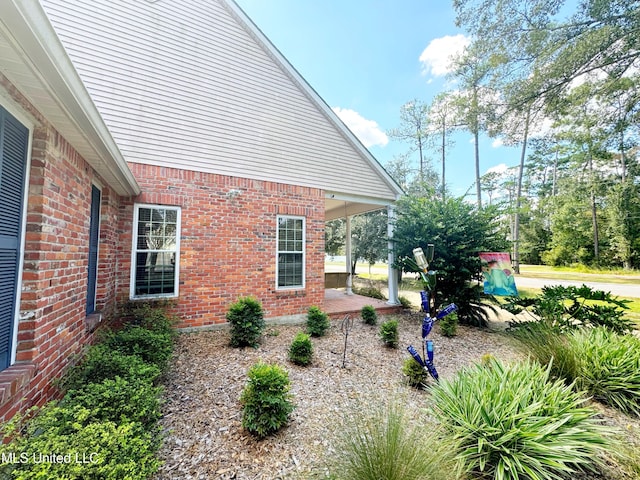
x=317, y=322
x=247, y=322
x=301, y=350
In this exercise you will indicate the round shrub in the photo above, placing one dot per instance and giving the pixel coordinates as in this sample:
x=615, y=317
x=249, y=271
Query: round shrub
x=247, y=322
x=389, y=333
x=416, y=375
x=513, y=422
x=449, y=325
x=301, y=350
x=369, y=315
x=317, y=322
x=266, y=400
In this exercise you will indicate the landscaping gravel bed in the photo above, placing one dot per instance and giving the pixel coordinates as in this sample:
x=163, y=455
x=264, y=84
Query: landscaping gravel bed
x=205, y=439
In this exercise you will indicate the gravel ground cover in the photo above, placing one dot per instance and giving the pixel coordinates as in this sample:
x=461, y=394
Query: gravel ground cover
x=205, y=439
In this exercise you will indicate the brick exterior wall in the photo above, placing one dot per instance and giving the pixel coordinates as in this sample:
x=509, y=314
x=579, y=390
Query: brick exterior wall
x=52, y=325
x=228, y=241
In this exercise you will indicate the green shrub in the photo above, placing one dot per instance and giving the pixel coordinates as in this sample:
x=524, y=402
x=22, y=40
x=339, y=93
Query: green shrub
x=151, y=316
x=404, y=301
x=102, y=362
x=370, y=291
x=266, y=400
x=384, y=442
x=90, y=449
x=369, y=315
x=247, y=322
x=416, y=375
x=568, y=307
x=609, y=367
x=389, y=333
x=600, y=361
x=513, y=422
x=317, y=322
x=118, y=400
x=152, y=346
x=301, y=350
x=449, y=325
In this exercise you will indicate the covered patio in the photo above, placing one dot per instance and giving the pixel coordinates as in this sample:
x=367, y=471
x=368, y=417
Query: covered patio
x=338, y=304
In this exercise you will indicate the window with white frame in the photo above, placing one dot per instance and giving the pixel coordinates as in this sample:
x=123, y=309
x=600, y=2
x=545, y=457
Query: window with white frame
x=291, y=239
x=155, y=251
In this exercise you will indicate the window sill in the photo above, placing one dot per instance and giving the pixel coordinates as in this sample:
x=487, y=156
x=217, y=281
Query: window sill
x=14, y=379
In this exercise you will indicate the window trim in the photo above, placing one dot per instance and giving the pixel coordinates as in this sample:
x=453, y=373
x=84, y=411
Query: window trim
x=134, y=251
x=303, y=252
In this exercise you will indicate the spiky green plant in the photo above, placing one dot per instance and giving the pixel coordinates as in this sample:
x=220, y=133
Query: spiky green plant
x=512, y=422
x=385, y=442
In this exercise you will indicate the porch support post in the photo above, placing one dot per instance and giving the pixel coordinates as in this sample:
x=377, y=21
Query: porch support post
x=347, y=248
x=392, y=272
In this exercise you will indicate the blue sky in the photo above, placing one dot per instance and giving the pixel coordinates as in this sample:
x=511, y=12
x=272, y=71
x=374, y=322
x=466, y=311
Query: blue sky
x=367, y=58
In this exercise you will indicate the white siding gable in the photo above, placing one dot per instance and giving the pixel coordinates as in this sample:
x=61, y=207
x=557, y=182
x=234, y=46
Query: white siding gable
x=189, y=84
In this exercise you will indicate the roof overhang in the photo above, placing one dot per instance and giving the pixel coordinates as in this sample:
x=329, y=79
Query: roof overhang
x=35, y=62
x=339, y=205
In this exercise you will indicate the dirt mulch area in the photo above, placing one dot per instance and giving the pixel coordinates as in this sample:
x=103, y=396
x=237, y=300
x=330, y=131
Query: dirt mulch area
x=205, y=439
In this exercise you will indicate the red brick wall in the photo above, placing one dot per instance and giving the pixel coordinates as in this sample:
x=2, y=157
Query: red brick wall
x=228, y=241
x=52, y=325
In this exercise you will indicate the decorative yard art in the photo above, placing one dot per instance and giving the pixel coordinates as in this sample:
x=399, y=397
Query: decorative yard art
x=497, y=273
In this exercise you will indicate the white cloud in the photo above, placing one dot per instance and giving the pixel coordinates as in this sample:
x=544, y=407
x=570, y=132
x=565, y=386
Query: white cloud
x=367, y=131
x=437, y=58
x=500, y=169
x=498, y=142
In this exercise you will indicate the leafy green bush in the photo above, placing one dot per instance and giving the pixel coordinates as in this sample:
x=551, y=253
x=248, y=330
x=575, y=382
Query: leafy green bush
x=568, y=307
x=369, y=291
x=369, y=315
x=449, y=325
x=384, y=442
x=609, y=367
x=389, y=333
x=404, y=301
x=416, y=375
x=602, y=362
x=88, y=449
x=118, y=400
x=513, y=422
x=154, y=347
x=317, y=322
x=102, y=362
x=153, y=317
x=301, y=350
x=266, y=400
x=247, y=322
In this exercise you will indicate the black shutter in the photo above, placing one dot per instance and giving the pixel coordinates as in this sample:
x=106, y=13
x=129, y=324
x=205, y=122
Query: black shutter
x=14, y=140
x=94, y=229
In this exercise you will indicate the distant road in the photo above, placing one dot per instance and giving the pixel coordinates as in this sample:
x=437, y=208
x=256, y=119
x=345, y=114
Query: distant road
x=621, y=290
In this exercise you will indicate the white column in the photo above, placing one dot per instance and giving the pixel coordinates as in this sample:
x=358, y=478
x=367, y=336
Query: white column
x=347, y=248
x=392, y=272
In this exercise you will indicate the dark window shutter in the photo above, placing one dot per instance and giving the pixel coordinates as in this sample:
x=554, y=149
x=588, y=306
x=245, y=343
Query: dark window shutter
x=94, y=229
x=14, y=140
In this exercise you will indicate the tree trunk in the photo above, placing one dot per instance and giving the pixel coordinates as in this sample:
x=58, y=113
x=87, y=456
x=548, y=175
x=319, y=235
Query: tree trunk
x=444, y=137
x=516, y=222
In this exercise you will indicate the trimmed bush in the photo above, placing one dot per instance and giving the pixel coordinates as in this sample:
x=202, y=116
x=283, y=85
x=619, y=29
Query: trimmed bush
x=317, y=322
x=93, y=450
x=301, y=350
x=102, y=362
x=152, y=346
x=416, y=375
x=449, y=325
x=385, y=442
x=266, y=400
x=247, y=322
x=153, y=317
x=369, y=315
x=389, y=333
x=118, y=400
x=514, y=422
